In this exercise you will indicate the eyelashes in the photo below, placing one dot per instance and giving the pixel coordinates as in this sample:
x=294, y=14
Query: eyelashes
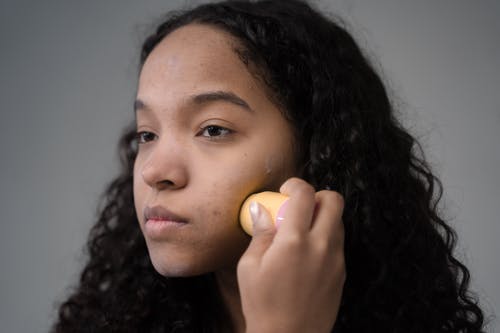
x=144, y=137
x=210, y=132
x=215, y=132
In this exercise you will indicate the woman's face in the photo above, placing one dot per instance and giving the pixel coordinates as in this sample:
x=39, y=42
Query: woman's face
x=208, y=137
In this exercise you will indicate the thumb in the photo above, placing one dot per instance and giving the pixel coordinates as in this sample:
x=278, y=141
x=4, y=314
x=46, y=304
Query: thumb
x=263, y=229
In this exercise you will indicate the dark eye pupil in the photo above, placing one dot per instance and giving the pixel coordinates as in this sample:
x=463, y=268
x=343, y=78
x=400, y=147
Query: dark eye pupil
x=145, y=136
x=213, y=130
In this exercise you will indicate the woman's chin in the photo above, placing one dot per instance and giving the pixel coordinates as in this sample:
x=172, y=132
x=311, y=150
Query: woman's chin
x=173, y=268
x=169, y=270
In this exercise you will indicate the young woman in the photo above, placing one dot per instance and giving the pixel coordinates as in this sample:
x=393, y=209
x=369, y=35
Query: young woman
x=239, y=97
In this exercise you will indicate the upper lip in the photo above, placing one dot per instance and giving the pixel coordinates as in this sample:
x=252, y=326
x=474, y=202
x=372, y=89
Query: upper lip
x=161, y=213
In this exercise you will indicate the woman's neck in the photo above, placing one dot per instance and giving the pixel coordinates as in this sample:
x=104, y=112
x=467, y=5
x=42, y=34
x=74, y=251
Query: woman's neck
x=227, y=283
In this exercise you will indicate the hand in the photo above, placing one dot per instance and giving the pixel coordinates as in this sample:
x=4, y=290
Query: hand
x=291, y=278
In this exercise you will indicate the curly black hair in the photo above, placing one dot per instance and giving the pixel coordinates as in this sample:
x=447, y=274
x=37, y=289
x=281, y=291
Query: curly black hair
x=402, y=275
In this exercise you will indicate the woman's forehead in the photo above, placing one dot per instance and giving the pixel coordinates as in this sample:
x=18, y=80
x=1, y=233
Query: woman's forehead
x=196, y=58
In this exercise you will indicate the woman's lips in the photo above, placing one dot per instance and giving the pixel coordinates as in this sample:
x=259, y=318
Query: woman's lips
x=160, y=222
x=159, y=213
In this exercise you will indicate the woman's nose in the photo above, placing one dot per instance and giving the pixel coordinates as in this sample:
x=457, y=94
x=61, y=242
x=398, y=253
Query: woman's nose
x=164, y=168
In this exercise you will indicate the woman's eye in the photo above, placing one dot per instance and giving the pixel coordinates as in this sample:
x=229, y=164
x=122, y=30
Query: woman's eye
x=144, y=137
x=213, y=131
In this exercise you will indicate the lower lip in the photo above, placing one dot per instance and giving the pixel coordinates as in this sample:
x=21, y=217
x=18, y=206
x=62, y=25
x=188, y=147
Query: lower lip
x=160, y=228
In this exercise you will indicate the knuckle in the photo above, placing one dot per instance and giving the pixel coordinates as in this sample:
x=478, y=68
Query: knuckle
x=332, y=202
x=264, y=232
x=305, y=192
x=305, y=186
x=294, y=242
x=293, y=181
x=332, y=196
x=323, y=246
x=297, y=185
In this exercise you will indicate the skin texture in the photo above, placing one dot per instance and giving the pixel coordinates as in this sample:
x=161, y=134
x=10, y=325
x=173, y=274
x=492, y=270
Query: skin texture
x=203, y=178
x=200, y=155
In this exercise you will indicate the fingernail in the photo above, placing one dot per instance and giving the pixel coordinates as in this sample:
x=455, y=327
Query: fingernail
x=280, y=216
x=254, y=211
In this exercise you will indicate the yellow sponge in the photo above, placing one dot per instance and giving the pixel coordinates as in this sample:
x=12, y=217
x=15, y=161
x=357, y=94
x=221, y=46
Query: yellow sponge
x=272, y=201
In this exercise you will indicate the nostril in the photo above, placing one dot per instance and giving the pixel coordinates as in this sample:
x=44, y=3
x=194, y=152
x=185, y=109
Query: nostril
x=164, y=175
x=165, y=184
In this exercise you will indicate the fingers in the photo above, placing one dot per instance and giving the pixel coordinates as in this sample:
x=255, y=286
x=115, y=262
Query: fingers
x=263, y=232
x=319, y=214
x=300, y=208
x=328, y=219
x=292, y=278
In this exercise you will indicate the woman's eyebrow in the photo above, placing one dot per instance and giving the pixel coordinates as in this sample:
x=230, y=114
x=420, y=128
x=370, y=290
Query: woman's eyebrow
x=206, y=97
x=139, y=105
x=220, y=95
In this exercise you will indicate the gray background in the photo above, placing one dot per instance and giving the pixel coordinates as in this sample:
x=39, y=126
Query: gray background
x=68, y=74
